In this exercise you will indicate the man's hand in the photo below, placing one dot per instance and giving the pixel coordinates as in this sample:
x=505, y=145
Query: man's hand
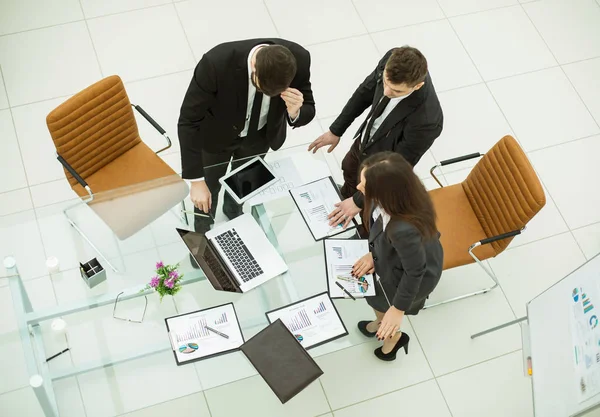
x=200, y=195
x=343, y=213
x=325, y=139
x=293, y=101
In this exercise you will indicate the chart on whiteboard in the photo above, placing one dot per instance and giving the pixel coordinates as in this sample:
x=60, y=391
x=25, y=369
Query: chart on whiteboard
x=585, y=334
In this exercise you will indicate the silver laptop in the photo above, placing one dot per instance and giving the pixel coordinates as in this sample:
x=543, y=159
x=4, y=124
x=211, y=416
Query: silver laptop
x=235, y=256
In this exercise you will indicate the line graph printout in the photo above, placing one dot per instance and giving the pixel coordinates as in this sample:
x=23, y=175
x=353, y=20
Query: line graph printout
x=312, y=321
x=340, y=256
x=315, y=201
x=192, y=338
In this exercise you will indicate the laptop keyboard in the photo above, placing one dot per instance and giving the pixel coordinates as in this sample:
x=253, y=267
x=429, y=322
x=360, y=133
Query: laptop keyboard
x=217, y=270
x=239, y=255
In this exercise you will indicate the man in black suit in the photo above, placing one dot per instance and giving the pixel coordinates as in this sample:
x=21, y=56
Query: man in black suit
x=405, y=117
x=241, y=98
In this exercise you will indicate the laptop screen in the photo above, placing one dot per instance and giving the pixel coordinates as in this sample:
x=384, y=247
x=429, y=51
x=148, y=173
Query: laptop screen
x=202, y=253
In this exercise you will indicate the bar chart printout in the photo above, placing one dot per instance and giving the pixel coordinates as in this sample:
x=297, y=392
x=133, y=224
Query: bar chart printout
x=192, y=340
x=312, y=321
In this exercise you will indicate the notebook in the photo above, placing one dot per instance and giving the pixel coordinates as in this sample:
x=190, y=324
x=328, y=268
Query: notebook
x=282, y=362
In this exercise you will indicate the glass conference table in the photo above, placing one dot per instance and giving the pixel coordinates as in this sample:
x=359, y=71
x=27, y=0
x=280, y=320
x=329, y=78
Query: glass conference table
x=116, y=335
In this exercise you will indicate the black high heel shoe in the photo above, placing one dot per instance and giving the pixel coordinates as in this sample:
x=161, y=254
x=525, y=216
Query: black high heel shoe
x=391, y=355
x=362, y=326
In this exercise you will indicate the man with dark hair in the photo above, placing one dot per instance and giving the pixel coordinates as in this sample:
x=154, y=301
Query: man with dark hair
x=241, y=97
x=405, y=117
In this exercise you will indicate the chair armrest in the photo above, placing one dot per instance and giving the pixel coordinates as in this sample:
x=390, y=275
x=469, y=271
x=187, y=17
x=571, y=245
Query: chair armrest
x=495, y=238
x=452, y=161
x=75, y=175
x=155, y=124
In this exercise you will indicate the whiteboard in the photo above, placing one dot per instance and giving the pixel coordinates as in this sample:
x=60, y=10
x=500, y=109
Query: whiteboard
x=555, y=388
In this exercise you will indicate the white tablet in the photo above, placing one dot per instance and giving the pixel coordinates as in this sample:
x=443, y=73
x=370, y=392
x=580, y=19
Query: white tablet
x=249, y=179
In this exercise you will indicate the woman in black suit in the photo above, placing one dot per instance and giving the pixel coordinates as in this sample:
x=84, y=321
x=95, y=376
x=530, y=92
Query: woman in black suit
x=404, y=247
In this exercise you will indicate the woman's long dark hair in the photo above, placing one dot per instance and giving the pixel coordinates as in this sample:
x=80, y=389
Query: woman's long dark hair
x=392, y=185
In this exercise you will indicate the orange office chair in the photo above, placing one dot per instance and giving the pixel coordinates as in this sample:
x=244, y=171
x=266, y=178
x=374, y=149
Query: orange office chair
x=106, y=163
x=479, y=217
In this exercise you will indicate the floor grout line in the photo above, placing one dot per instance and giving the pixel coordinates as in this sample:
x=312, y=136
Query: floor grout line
x=271, y=17
x=187, y=39
x=87, y=26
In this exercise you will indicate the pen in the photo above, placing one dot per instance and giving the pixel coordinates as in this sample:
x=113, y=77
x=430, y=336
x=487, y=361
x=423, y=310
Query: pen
x=198, y=214
x=58, y=354
x=217, y=332
x=529, y=369
x=345, y=290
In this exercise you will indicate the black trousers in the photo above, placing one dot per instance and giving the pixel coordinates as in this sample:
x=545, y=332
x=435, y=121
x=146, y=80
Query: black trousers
x=215, y=167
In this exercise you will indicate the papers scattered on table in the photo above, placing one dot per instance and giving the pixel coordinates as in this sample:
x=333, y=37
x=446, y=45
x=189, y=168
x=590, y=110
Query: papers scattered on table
x=340, y=256
x=315, y=201
x=286, y=172
x=204, y=333
x=313, y=321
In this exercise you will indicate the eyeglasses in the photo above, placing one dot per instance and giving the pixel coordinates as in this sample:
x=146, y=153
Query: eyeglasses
x=125, y=319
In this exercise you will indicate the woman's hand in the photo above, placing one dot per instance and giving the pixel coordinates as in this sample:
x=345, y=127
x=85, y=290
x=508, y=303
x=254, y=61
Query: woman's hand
x=390, y=324
x=363, y=266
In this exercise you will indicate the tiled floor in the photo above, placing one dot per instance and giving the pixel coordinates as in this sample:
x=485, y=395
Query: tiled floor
x=520, y=67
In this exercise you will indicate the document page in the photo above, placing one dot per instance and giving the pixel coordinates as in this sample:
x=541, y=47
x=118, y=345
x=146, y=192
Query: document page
x=312, y=321
x=340, y=256
x=201, y=334
x=315, y=201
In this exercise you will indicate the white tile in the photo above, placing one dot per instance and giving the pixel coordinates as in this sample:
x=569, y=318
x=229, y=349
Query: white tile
x=502, y=42
x=449, y=65
x=424, y=399
x=397, y=13
x=223, y=370
x=20, y=238
x=571, y=29
x=589, y=239
x=68, y=398
x=523, y=274
x=454, y=323
x=52, y=192
x=584, y=77
x=141, y=44
x=21, y=15
x=3, y=97
x=37, y=147
x=95, y=8
x=547, y=222
x=15, y=201
x=206, y=30
x=161, y=98
x=12, y=173
x=543, y=108
x=373, y=376
x=332, y=87
x=23, y=402
x=63, y=57
x=183, y=405
x=458, y=7
x=254, y=397
x=318, y=22
x=303, y=136
x=571, y=184
x=496, y=388
x=136, y=384
x=472, y=123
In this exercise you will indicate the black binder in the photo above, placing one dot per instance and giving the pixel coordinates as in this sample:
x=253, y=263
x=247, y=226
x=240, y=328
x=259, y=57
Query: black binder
x=282, y=362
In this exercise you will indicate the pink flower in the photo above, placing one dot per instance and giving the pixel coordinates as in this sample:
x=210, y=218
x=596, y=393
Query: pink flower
x=159, y=264
x=169, y=283
x=174, y=275
x=154, y=282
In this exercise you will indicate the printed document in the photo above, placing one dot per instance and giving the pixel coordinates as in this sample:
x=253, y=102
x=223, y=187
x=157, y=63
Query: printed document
x=340, y=256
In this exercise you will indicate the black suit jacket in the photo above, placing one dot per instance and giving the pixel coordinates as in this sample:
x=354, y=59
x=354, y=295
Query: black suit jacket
x=213, y=112
x=408, y=268
x=409, y=129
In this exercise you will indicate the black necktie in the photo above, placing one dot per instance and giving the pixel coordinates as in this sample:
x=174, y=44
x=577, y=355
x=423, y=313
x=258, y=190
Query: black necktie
x=255, y=114
x=378, y=111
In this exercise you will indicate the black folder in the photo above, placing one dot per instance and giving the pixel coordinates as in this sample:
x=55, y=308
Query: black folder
x=282, y=362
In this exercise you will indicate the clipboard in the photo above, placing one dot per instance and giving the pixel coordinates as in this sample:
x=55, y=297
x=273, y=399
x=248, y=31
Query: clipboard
x=195, y=356
x=326, y=260
x=353, y=225
x=300, y=319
